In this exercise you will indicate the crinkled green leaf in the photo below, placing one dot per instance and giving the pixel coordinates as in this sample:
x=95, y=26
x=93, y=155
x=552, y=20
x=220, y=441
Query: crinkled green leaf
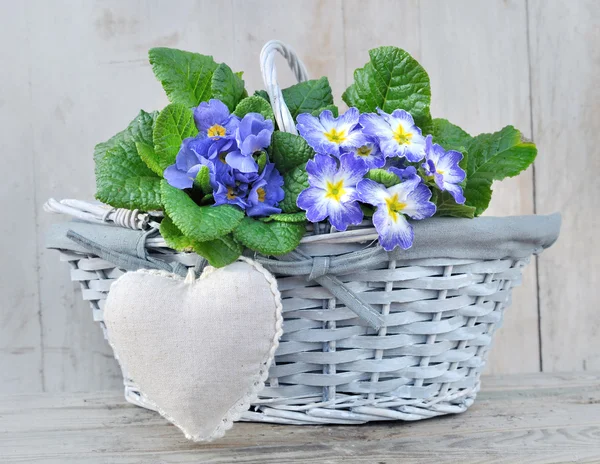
x=332, y=108
x=448, y=135
x=201, y=223
x=495, y=157
x=263, y=94
x=289, y=150
x=383, y=177
x=202, y=180
x=227, y=86
x=122, y=179
x=446, y=206
x=294, y=182
x=186, y=77
x=269, y=238
x=254, y=104
x=149, y=157
x=286, y=217
x=218, y=252
x=174, y=124
x=308, y=96
x=391, y=80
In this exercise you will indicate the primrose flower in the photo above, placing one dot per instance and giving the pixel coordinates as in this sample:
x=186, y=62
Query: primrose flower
x=443, y=166
x=396, y=133
x=266, y=193
x=229, y=191
x=330, y=136
x=189, y=160
x=410, y=198
x=332, y=192
x=214, y=121
x=252, y=135
x=370, y=154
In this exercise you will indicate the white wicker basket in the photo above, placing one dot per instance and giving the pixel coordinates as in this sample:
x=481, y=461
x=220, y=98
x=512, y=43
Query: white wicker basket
x=439, y=313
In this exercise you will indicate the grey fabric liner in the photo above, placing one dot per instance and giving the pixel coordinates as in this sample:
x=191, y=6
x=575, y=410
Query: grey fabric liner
x=482, y=238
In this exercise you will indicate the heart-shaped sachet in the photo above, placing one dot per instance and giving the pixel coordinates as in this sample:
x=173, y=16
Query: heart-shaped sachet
x=199, y=349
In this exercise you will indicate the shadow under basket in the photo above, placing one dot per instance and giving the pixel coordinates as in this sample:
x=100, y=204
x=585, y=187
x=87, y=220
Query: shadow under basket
x=440, y=302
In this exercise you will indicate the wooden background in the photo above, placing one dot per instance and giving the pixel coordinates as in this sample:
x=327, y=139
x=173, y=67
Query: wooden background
x=74, y=73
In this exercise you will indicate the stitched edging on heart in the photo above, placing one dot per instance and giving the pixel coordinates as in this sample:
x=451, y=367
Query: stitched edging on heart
x=258, y=382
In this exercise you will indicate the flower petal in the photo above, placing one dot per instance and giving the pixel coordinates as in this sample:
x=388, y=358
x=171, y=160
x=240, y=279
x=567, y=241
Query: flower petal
x=393, y=231
x=243, y=163
x=341, y=215
x=417, y=203
x=372, y=192
x=321, y=169
x=314, y=202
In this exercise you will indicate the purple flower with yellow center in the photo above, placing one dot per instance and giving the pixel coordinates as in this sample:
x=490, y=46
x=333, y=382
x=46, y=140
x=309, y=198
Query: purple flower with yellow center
x=370, y=154
x=443, y=166
x=332, y=192
x=410, y=198
x=252, y=135
x=396, y=133
x=266, y=193
x=214, y=121
x=228, y=190
x=331, y=136
x=189, y=160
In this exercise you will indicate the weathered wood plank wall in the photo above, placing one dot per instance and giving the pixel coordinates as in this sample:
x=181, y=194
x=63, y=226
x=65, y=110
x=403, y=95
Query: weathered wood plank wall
x=76, y=73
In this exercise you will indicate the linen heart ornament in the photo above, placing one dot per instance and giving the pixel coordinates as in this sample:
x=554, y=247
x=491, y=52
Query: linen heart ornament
x=199, y=349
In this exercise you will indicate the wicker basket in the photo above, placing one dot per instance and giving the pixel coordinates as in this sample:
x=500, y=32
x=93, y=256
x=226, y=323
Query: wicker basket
x=439, y=310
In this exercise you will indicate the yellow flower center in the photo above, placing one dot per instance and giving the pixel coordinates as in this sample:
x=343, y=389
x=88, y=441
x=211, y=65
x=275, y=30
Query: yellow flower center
x=231, y=195
x=216, y=131
x=261, y=194
x=394, y=206
x=335, y=136
x=365, y=151
x=439, y=171
x=401, y=136
x=335, y=190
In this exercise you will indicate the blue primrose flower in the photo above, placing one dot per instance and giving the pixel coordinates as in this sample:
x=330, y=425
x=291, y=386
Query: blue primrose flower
x=252, y=135
x=409, y=198
x=331, y=136
x=189, y=160
x=397, y=134
x=266, y=193
x=332, y=192
x=370, y=154
x=229, y=191
x=214, y=121
x=443, y=166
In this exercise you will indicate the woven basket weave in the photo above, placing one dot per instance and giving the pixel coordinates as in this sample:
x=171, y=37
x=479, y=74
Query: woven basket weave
x=331, y=367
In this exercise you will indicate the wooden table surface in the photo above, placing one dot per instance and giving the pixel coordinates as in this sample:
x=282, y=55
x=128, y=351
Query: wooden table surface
x=540, y=418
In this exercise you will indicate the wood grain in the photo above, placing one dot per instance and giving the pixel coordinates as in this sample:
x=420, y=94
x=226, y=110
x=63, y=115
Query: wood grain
x=538, y=418
x=20, y=330
x=566, y=103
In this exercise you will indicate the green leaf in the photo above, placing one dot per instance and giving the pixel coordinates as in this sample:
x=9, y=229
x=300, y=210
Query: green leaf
x=308, y=96
x=218, y=252
x=221, y=251
x=186, y=77
x=289, y=150
x=201, y=223
x=332, y=108
x=227, y=86
x=448, y=135
x=383, y=177
x=446, y=206
x=122, y=178
x=269, y=238
x=263, y=94
x=148, y=156
x=174, y=124
x=254, y=104
x=285, y=217
x=294, y=182
x=202, y=180
x=262, y=161
x=495, y=157
x=391, y=80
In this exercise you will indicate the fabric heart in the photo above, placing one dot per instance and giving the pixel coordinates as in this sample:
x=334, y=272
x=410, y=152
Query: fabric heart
x=199, y=349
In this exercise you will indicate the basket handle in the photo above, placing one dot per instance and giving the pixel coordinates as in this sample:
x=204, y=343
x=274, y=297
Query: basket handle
x=284, y=118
